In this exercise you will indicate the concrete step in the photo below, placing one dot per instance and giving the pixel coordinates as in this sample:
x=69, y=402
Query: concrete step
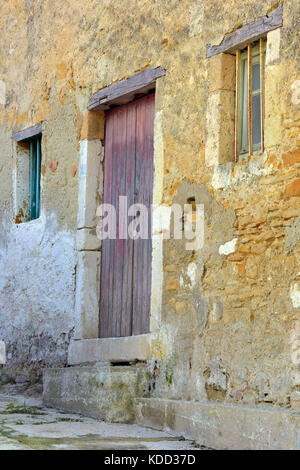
x=105, y=392
x=223, y=426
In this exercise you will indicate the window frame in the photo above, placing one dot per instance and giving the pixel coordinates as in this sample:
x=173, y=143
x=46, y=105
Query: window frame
x=27, y=183
x=35, y=157
x=255, y=54
x=243, y=121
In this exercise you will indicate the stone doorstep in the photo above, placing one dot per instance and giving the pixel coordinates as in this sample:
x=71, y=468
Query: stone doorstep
x=2, y=353
x=223, y=426
x=102, y=391
x=123, y=349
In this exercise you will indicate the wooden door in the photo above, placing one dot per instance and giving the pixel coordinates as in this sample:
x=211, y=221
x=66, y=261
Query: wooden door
x=126, y=263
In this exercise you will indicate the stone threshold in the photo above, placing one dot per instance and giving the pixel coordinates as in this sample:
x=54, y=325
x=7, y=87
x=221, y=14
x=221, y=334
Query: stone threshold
x=223, y=426
x=123, y=349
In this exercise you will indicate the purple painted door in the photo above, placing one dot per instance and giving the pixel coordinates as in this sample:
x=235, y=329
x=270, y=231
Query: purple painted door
x=126, y=263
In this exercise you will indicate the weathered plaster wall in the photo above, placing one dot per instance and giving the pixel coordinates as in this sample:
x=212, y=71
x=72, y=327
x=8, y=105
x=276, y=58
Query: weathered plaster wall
x=230, y=321
x=37, y=264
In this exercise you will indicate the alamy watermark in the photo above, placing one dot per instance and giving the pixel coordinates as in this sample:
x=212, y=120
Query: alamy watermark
x=138, y=221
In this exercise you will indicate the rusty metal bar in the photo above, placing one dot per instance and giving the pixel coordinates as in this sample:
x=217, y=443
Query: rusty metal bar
x=262, y=92
x=250, y=136
x=237, y=104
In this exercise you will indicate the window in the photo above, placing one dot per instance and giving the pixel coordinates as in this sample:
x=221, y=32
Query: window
x=35, y=176
x=27, y=174
x=244, y=135
x=249, y=119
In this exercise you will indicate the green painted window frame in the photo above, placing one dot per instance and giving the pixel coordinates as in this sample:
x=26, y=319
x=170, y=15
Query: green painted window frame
x=35, y=155
x=243, y=108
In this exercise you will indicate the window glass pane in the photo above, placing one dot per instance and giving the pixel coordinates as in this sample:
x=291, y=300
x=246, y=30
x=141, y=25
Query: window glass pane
x=32, y=179
x=255, y=77
x=256, y=119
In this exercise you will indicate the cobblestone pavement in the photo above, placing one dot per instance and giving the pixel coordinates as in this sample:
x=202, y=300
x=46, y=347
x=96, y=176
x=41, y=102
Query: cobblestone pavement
x=26, y=424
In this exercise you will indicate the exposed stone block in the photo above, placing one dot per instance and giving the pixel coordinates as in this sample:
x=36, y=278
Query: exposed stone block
x=273, y=114
x=293, y=189
x=219, y=147
x=93, y=126
x=236, y=257
x=292, y=212
x=222, y=72
x=273, y=46
x=87, y=294
x=128, y=348
x=86, y=239
x=90, y=182
x=291, y=158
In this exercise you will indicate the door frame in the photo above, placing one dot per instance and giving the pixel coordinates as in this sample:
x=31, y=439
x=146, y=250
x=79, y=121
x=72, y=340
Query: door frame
x=86, y=346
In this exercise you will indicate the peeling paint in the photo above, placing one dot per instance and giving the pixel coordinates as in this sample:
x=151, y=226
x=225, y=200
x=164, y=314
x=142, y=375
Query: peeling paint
x=228, y=247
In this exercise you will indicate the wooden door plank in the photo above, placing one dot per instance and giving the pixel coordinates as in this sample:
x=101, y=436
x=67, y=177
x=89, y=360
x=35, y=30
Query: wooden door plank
x=138, y=259
x=113, y=324
x=127, y=287
x=143, y=248
x=105, y=278
x=119, y=256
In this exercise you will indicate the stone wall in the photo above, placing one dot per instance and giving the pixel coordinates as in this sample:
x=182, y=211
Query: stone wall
x=230, y=316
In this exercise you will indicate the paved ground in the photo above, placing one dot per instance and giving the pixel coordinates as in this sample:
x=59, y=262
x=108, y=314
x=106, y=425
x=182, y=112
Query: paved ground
x=26, y=424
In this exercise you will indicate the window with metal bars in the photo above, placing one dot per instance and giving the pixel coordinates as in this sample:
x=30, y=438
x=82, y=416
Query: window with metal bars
x=249, y=105
x=35, y=176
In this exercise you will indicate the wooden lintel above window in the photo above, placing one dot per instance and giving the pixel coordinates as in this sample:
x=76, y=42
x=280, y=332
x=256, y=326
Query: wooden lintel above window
x=125, y=91
x=249, y=33
x=27, y=134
